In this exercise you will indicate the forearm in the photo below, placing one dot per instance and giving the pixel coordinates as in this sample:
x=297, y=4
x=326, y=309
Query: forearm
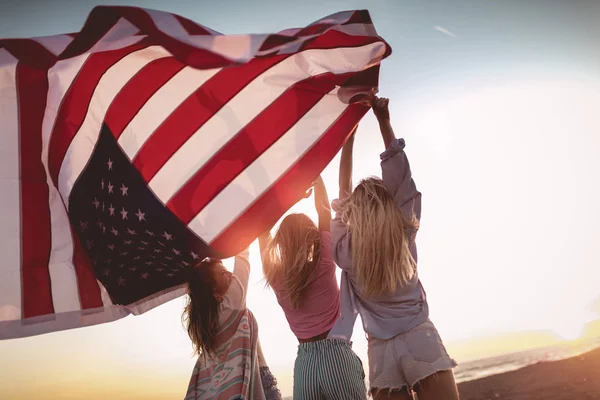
x=322, y=205
x=387, y=132
x=345, y=177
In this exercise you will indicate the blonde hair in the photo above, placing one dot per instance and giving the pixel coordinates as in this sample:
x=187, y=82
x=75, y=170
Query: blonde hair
x=381, y=237
x=291, y=257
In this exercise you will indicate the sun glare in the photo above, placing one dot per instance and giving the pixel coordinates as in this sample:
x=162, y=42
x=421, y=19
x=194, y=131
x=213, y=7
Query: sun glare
x=569, y=332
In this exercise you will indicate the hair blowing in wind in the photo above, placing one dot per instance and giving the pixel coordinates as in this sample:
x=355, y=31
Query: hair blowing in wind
x=380, y=241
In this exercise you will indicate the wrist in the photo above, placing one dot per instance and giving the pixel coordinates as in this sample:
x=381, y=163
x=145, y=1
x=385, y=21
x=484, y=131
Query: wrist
x=384, y=120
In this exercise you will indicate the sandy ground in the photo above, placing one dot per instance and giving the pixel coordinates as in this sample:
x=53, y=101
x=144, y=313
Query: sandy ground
x=576, y=378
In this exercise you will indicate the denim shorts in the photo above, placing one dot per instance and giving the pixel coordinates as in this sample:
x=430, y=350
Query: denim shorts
x=407, y=358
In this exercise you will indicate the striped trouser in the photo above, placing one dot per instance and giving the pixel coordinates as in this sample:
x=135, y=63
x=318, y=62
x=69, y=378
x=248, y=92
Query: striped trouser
x=328, y=370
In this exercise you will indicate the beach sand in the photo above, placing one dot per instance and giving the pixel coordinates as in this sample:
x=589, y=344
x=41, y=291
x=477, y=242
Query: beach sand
x=573, y=378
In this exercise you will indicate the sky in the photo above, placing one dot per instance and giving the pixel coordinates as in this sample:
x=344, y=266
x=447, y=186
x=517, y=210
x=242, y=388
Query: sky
x=498, y=103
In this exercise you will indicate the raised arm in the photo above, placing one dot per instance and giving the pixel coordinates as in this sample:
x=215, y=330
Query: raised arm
x=395, y=168
x=322, y=205
x=241, y=268
x=345, y=178
x=382, y=112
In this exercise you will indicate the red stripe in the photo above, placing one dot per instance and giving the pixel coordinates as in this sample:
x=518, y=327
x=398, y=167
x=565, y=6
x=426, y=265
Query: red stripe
x=75, y=104
x=268, y=208
x=194, y=112
x=89, y=291
x=138, y=90
x=248, y=145
x=30, y=52
x=35, y=210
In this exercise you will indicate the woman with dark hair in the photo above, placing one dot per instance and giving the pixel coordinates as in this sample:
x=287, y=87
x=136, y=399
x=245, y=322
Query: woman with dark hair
x=224, y=334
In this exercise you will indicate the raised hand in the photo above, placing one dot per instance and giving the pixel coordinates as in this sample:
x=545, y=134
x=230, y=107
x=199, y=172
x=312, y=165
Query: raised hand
x=380, y=108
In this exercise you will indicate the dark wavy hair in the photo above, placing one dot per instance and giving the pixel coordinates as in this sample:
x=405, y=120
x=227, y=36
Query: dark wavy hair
x=201, y=313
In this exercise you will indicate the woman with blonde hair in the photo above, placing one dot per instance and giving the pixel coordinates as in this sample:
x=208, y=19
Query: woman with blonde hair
x=298, y=267
x=373, y=242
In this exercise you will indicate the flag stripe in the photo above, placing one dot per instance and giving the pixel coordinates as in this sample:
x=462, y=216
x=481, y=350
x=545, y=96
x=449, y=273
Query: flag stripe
x=55, y=44
x=107, y=88
x=256, y=137
x=29, y=51
x=35, y=216
x=88, y=287
x=266, y=169
x=244, y=107
x=136, y=93
x=286, y=190
x=10, y=221
x=75, y=104
x=198, y=110
x=193, y=28
x=145, y=121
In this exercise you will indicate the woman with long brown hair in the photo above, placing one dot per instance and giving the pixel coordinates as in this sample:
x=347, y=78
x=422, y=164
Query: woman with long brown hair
x=298, y=267
x=373, y=241
x=224, y=334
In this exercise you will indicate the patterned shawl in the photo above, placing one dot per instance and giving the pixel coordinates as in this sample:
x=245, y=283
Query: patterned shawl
x=233, y=373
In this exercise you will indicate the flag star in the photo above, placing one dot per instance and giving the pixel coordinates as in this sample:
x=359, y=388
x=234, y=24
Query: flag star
x=124, y=253
x=150, y=233
x=144, y=275
x=169, y=274
x=109, y=163
x=106, y=272
x=111, y=210
x=110, y=187
x=124, y=190
x=161, y=243
x=141, y=248
x=168, y=258
x=157, y=250
x=121, y=281
x=144, y=242
x=111, y=246
x=96, y=203
x=102, y=184
x=185, y=263
x=194, y=255
x=128, y=242
x=124, y=213
x=103, y=229
x=131, y=232
x=148, y=263
x=121, y=265
x=102, y=206
x=94, y=262
x=114, y=231
x=89, y=244
x=152, y=256
x=162, y=263
x=99, y=223
x=109, y=261
x=137, y=257
x=167, y=236
x=160, y=269
x=132, y=268
x=176, y=251
x=141, y=216
x=83, y=225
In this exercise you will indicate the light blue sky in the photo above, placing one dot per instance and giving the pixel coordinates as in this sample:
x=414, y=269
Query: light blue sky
x=502, y=129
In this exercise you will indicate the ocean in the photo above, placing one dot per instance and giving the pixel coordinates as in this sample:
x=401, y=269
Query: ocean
x=477, y=369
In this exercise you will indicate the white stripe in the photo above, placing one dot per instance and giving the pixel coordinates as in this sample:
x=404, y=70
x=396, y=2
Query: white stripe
x=167, y=23
x=55, y=44
x=248, y=103
x=65, y=290
x=10, y=202
x=239, y=48
x=160, y=106
x=267, y=169
x=121, y=35
x=111, y=83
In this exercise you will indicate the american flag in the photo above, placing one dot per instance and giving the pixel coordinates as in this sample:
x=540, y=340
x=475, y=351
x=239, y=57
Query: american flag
x=145, y=142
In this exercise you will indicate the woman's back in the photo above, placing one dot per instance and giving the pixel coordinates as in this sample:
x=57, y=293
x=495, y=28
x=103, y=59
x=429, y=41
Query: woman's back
x=320, y=305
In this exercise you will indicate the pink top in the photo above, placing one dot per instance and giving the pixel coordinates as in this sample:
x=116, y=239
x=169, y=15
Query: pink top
x=321, y=306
